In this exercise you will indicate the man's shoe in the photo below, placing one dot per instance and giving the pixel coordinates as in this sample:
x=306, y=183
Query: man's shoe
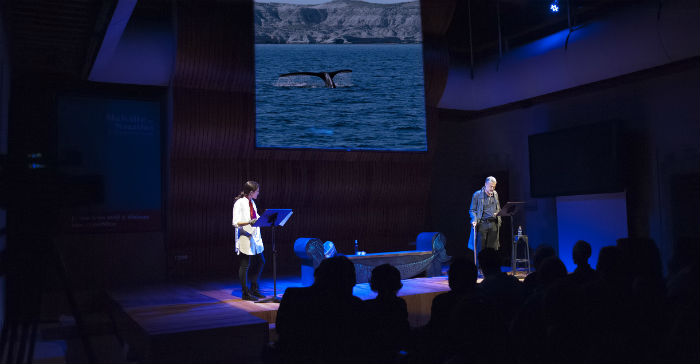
x=248, y=297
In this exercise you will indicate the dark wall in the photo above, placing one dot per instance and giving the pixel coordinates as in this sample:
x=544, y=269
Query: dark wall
x=378, y=198
x=658, y=111
x=382, y=199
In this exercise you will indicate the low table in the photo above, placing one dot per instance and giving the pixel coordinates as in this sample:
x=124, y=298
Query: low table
x=428, y=257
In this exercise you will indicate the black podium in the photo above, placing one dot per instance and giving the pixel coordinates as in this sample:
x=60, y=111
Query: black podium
x=510, y=209
x=273, y=218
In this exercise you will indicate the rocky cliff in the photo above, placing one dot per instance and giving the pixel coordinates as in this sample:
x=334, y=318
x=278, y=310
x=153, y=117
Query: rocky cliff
x=339, y=21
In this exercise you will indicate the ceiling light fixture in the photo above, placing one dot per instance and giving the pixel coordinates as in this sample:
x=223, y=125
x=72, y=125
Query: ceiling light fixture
x=554, y=6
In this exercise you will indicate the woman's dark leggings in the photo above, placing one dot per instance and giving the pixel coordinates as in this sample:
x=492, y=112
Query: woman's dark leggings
x=257, y=261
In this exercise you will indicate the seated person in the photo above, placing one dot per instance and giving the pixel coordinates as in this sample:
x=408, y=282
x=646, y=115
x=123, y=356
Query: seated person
x=324, y=322
x=504, y=290
x=387, y=315
x=531, y=282
x=433, y=342
x=583, y=272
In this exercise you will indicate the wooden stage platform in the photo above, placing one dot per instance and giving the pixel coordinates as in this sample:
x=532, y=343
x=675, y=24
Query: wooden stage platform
x=209, y=322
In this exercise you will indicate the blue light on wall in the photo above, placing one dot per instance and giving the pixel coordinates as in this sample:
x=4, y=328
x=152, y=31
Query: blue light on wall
x=599, y=219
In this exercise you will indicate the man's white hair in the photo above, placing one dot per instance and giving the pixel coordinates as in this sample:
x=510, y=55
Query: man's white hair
x=490, y=179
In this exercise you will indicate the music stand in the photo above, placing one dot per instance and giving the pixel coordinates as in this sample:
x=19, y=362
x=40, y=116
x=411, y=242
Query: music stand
x=510, y=209
x=273, y=218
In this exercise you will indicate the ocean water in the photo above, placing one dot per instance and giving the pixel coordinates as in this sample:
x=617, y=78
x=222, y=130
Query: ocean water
x=380, y=105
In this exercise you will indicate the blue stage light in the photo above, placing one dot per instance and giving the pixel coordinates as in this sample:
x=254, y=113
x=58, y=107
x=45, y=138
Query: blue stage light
x=554, y=6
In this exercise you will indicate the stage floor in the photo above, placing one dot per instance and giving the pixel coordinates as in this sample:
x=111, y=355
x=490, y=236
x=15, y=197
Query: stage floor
x=415, y=291
x=418, y=293
x=191, y=321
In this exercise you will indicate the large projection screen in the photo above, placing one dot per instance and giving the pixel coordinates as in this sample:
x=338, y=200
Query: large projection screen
x=375, y=102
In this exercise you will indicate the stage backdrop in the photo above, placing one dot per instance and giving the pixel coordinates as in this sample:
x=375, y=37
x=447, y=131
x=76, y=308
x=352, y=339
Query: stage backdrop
x=378, y=198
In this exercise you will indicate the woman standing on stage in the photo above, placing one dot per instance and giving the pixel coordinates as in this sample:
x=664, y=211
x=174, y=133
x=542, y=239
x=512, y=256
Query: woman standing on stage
x=249, y=245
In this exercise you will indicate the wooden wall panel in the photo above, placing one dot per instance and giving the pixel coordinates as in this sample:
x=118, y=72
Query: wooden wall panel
x=379, y=198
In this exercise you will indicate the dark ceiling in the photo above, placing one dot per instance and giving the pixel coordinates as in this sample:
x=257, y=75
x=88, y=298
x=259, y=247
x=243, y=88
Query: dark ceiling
x=62, y=37
x=58, y=37
x=516, y=22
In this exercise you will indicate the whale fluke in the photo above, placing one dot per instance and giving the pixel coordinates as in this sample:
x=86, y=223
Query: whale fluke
x=327, y=77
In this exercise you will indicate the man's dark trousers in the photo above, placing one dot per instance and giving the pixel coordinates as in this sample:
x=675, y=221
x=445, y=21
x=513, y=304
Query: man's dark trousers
x=487, y=234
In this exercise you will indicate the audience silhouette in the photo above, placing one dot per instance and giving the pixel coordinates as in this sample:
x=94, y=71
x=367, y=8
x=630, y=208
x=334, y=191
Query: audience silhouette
x=609, y=306
x=461, y=278
x=435, y=342
x=504, y=290
x=387, y=316
x=529, y=324
x=323, y=323
x=683, y=302
x=583, y=273
x=531, y=282
x=624, y=310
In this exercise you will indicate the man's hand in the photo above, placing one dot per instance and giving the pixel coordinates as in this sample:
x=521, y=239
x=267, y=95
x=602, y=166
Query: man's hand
x=474, y=223
x=251, y=222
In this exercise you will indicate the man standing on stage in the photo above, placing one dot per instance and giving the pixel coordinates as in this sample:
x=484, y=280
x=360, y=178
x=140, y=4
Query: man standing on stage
x=482, y=211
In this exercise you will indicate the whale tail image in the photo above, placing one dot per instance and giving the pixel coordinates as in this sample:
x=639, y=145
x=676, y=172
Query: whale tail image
x=327, y=77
